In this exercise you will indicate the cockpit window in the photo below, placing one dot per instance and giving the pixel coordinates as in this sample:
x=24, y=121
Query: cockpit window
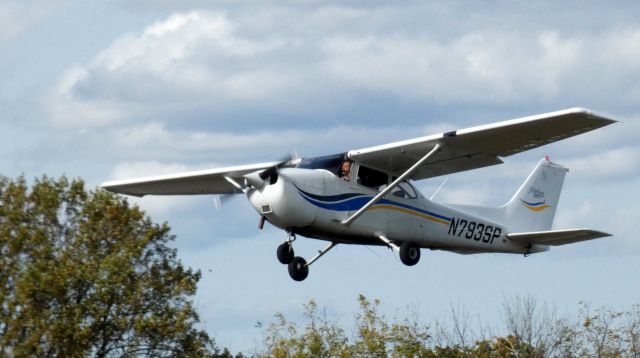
x=331, y=163
x=372, y=178
x=404, y=190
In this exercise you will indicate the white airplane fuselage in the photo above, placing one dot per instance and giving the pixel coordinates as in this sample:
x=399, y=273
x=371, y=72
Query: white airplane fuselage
x=314, y=203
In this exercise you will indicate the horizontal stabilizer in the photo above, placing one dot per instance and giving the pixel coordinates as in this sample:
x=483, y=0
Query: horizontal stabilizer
x=557, y=237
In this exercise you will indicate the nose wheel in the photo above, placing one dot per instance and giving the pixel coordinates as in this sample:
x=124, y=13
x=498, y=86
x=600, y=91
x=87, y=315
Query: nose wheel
x=285, y=253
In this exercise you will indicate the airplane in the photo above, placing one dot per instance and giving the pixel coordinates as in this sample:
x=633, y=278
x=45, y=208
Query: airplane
x=366, y=196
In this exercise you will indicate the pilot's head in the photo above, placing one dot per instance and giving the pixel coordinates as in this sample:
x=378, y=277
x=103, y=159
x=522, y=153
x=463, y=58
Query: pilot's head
x=346, y=168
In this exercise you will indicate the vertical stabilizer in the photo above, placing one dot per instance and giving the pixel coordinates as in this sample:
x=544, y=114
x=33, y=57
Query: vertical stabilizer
x=533, y=207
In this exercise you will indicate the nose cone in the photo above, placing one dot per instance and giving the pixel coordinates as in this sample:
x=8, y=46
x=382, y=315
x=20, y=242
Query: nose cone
x=281, y=203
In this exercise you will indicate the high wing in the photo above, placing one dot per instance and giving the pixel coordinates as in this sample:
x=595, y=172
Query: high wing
x=480, y=146
x=188, y=183
x=557, y=237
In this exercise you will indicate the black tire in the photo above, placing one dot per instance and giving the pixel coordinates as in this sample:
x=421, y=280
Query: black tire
x=298, y=269
x=285, y=253
x=409, y=253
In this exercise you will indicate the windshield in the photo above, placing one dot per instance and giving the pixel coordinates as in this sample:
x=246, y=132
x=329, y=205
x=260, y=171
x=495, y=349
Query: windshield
x=331, y=163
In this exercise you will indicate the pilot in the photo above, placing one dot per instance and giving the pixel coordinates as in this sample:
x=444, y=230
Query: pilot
x=345, y=169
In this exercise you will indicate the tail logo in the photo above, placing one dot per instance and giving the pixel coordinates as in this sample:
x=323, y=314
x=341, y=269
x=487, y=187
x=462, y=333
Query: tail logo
x=537, y=193
x=539, y=206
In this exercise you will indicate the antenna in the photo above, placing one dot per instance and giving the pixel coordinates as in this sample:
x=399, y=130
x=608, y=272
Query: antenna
x=437, y=190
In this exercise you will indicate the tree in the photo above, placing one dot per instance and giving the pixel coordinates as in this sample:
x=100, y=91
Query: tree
x=532, y=331
x=321, y=337
x=532, y=328
x=84, y=273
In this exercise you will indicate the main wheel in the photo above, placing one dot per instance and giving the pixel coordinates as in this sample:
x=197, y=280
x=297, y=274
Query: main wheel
x=409, y=253
x=285, y=253
x=298, y=269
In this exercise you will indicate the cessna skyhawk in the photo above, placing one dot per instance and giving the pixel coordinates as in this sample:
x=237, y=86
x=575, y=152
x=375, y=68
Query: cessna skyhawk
x=371, y=200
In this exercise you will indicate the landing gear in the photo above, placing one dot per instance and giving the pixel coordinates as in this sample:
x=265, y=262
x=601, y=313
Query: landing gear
x=298, y=268
x=285, y=253
x=285, y=250
x=409, y=253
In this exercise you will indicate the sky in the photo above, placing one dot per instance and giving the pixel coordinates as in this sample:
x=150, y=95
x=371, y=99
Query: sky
x=121, y=89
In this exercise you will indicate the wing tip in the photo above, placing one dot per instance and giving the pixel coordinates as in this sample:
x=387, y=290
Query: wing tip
x=587, y=112
x=601, y=233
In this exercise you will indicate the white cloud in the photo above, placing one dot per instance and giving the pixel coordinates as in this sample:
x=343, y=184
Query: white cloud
x=188, y=58
x=624, y=48
x=66, y=106
x=614, y=164
x=228, y=65
x=478, y=66
x=154, y=140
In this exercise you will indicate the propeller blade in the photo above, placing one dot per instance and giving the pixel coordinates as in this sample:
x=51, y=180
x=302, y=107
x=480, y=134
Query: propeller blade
x=272, y=172
x=221, y=199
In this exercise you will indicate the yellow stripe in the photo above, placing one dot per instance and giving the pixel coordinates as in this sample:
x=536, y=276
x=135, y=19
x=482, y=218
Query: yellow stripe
x=537, y=208
x=408, y=211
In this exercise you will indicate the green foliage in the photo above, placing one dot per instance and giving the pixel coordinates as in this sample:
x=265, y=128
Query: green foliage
x=531, y=333
x=324, y=338
x=86, y=274
x=602, y=333
x=320, y=338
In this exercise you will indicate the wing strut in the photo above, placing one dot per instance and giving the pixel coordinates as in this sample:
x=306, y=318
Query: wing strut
x=235, y=183
x=395, y=183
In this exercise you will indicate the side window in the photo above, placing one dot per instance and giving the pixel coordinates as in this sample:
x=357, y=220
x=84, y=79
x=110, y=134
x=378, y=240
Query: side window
x=372, y=178
x=404, y=190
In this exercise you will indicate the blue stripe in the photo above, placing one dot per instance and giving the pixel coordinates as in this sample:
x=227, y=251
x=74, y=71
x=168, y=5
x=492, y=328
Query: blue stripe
x=330, y=198
x=533, y=204
x=358, y=202
x=349, y=205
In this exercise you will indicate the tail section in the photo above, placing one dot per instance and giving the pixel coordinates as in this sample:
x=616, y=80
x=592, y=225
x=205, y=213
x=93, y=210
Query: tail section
x=533, y=207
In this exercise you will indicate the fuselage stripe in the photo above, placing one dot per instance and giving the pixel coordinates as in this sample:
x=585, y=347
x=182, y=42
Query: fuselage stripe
x=535, y=206
x=412, y=212
x=355, y=203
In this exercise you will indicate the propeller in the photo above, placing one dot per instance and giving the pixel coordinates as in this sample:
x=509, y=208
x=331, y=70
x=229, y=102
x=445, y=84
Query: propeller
x=271, y=173
x=221, y=199
x=256, y=180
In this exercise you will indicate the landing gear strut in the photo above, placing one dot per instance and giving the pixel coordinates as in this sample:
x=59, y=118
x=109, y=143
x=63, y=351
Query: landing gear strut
x=409, y=252
x=298, y=267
